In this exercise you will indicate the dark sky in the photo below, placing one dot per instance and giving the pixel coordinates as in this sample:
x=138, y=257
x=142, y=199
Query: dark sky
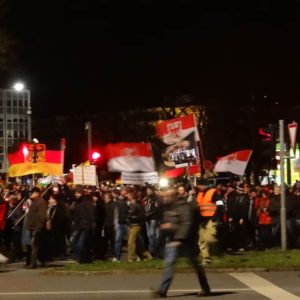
x=93, y=55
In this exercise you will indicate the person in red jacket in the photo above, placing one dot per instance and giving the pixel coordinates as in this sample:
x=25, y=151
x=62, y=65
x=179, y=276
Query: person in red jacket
x=264, y=220
x=3, y=208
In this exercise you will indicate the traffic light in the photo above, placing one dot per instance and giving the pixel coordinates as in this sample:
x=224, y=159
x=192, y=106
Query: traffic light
x=267, y=136
x=95, y=157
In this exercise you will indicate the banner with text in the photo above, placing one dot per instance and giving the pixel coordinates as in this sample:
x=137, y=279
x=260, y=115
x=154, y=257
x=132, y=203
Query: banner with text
x=139, y=178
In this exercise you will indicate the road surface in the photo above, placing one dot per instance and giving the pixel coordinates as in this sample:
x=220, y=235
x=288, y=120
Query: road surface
x=20, y=284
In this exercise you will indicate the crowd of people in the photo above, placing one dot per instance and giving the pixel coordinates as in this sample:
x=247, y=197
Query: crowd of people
x=88, y=223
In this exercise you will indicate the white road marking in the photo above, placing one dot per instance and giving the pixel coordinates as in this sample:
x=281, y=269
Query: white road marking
x=264, y=287
x=111, y=292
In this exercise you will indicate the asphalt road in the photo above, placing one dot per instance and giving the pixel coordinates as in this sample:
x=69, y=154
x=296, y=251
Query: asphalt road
x=17, y=284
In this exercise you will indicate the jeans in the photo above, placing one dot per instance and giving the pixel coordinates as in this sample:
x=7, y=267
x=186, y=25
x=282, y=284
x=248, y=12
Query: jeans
x=152, y=229
x=121, y=233
x=170, y=255
x=80, y=241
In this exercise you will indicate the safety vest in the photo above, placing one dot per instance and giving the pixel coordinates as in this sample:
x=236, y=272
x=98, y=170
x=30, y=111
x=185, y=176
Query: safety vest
x=205, y=202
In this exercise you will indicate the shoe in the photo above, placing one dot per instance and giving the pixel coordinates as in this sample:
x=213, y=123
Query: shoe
x=3, y=259
x=241, y=250
x=115, y=260
x=158, y=294
x=204, y=293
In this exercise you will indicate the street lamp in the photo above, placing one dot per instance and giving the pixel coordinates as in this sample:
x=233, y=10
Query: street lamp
x=19, y=86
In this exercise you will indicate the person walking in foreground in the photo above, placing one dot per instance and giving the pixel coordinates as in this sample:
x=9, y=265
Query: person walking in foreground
x=180, y=231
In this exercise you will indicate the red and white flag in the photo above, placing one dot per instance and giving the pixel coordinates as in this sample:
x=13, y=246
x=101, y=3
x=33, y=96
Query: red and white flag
x=235, y=163
x=174, y=130
x=129, y=157
x=293, y=133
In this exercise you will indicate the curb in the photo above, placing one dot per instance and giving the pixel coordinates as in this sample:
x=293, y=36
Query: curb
x=208, y=270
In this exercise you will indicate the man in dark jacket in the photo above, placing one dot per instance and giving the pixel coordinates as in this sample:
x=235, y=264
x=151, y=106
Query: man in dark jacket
x=109, y=224
x=178, y=226
x=36, y=222
x=237, y=217
x=152, y=212
x=122, y=207
x=83, y=221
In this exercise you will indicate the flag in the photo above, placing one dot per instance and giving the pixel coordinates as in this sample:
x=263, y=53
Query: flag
x=181, y=154
x=129, y=157
x=174, y=173
x=174, y=130
x=293, y=133
x=51, y=164
x=235, y=163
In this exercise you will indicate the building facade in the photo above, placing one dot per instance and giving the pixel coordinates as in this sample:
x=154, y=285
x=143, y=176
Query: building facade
x=15, y=122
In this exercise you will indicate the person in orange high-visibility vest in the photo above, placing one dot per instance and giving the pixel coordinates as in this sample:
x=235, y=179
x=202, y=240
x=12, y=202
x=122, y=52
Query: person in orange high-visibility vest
x=210, y=208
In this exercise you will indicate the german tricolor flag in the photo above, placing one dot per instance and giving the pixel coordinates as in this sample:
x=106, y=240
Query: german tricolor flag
x=24, y=162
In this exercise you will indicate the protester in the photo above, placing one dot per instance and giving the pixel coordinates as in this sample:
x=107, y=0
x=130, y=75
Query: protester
x=152, y=216
x=36, y=222
x=178, y=225
x=211, y=205
x=83, y=221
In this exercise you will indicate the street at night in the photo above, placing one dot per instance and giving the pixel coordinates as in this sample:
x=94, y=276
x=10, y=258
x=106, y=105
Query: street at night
x=233, y=285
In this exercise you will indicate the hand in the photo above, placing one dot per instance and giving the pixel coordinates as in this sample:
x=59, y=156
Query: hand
x=174, y=244
x=241, y=221
x=166, y=226
x=230, y=220
x=192, y=192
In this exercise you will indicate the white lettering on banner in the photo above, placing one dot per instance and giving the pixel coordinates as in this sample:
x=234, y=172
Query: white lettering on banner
x=85, y=175
x=139, y=178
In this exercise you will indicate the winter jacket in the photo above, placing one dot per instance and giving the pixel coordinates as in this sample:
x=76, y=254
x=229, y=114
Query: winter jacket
x=152, y=207
x=83, y=214
x=263, y=214
x=122, y=209
x=109, y=219
x=180, y=215
x=136, y=215
x=37, y=214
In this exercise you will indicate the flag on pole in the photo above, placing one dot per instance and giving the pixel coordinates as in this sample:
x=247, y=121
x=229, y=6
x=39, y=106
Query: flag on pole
x=174, y=130
x=235, y=163
x=129, y=157
x=21, y=165
x=293, y=133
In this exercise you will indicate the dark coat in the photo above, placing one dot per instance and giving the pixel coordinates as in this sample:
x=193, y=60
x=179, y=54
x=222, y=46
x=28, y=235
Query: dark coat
x=136, y=215
x=109, y=219
x=152, y=207
x=37, y=215
x=181, y=217
x=83, y=214
x=239, y=207
x=123, y=208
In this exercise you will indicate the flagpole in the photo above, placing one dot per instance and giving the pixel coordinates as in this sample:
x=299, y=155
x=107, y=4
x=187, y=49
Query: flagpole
x=62, y=149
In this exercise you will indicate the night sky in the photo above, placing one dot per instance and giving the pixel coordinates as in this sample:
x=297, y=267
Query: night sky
x=100, y=55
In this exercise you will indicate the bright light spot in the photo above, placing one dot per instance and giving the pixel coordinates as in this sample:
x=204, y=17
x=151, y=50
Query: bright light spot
x=96, y=155
x=25, y=151
x=163, y=182
x=19, y=86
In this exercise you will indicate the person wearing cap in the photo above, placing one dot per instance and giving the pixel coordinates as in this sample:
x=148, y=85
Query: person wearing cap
x=210, y=208
x=36, y=223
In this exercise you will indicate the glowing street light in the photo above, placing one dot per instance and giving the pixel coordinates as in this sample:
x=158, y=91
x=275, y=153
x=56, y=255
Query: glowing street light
x=19, y=86
x=163, y=182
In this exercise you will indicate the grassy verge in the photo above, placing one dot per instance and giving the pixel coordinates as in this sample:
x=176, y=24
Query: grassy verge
x=272, y=259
